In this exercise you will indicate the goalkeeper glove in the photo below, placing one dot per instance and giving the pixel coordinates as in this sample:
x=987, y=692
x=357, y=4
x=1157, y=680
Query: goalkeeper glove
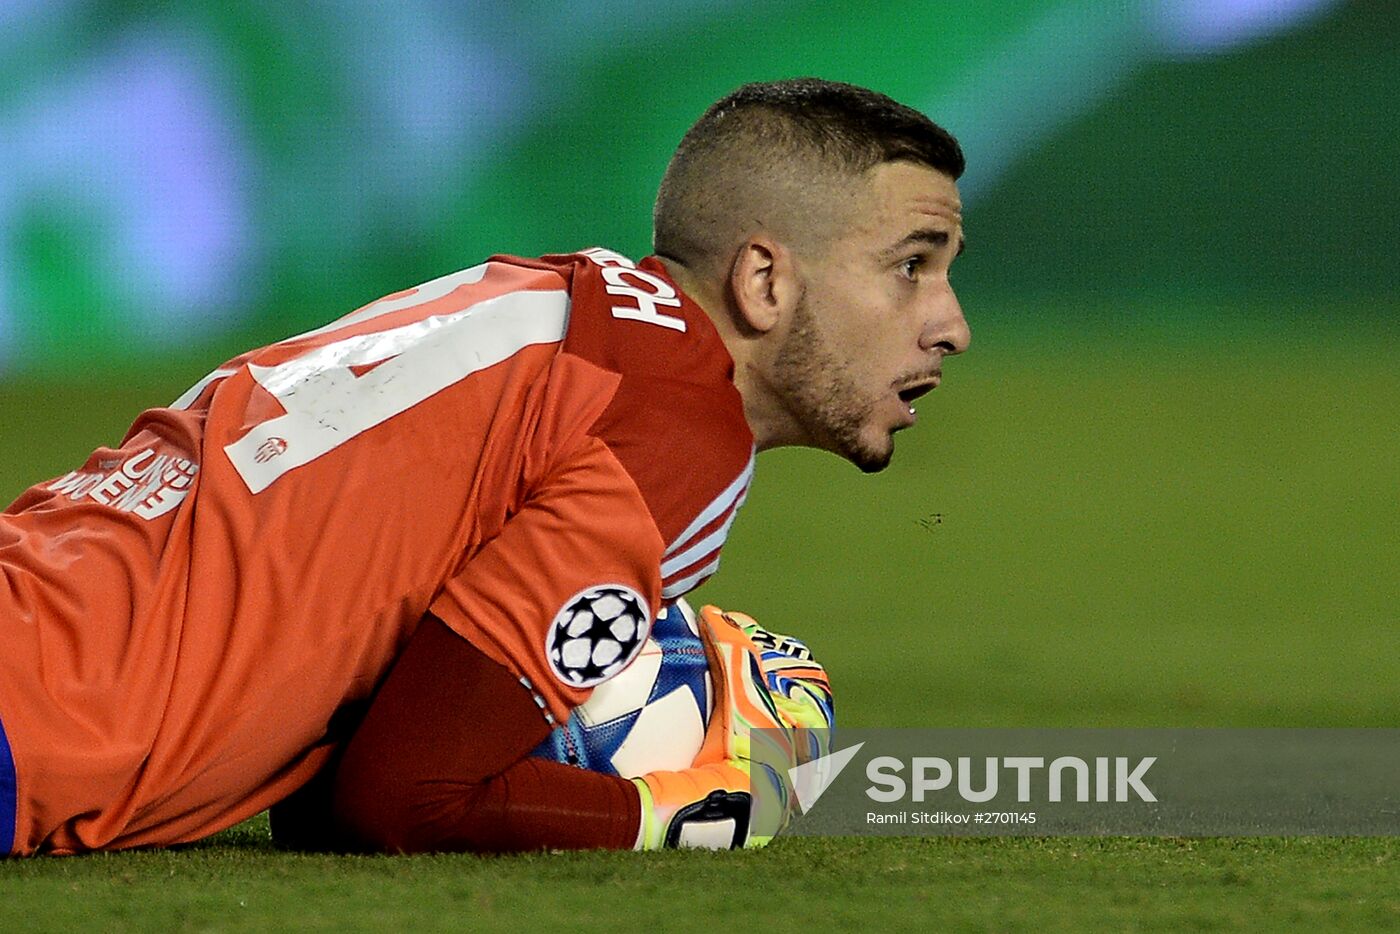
x=749, y=745
x=798, y=685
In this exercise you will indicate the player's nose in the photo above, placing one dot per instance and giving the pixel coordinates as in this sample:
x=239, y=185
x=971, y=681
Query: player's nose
x=946, y=328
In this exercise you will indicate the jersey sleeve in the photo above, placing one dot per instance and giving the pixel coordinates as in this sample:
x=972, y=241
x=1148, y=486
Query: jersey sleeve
x=631, y=495
x=565, y=595
x=679, y=444
x=676, y=420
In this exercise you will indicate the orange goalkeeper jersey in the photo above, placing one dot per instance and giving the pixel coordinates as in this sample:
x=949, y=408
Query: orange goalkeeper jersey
x=528, y=449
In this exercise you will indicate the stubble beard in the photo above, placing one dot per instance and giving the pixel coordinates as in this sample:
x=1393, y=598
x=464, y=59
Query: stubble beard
x=819, y=391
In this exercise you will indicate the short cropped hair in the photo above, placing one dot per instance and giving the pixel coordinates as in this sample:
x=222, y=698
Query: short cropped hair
x=774, y=155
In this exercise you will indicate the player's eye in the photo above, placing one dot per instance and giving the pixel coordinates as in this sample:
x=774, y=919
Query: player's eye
x=911, y=266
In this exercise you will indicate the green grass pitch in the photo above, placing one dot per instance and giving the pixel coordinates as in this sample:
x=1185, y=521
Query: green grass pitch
x=1098, y=522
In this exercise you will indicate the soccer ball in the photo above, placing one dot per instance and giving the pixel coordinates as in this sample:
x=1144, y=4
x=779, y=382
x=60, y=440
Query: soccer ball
x=650, y=716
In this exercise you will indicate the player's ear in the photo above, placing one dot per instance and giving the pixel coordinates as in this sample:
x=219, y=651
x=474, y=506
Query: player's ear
x=764, y=283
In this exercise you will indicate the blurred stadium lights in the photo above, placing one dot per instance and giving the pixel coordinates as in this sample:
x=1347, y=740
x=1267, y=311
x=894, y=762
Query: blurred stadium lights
x=1211, y=25
x=138, y=154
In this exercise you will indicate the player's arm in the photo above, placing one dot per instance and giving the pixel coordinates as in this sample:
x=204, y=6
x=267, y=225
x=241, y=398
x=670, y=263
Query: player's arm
x=428, y=767
x=442, y=757
x=442, y=760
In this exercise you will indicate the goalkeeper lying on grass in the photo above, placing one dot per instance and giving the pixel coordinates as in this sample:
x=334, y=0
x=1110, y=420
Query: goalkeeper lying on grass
x=190, y=621
x=442, y=760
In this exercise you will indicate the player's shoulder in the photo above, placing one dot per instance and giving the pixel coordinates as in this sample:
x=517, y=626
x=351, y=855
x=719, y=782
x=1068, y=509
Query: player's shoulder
x=675, y=421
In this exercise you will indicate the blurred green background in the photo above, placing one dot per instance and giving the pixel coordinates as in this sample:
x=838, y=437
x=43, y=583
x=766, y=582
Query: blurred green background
x=1160, y=490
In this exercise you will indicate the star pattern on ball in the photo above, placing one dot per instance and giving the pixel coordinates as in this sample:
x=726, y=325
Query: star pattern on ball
x=589, y=746
x=686, y=665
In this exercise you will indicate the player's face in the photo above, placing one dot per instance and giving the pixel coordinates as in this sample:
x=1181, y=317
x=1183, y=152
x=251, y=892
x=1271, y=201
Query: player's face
x=877, y=316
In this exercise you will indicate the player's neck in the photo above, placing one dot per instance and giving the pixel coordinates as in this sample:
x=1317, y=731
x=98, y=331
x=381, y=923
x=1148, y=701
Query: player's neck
x=772, y=425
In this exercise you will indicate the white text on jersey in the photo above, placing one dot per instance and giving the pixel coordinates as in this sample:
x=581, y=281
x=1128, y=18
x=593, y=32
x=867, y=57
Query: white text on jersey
x=650, y=292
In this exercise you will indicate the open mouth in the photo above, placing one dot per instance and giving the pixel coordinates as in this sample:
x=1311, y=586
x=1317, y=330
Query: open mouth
x=910, y=393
